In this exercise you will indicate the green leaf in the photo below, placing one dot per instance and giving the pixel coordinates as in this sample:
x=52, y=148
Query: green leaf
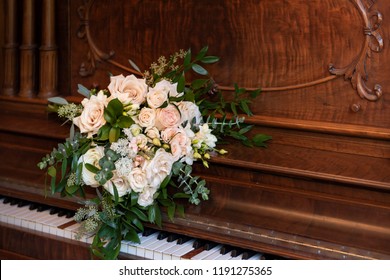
x=259, y=139
x=171, y=211
x=202, y=53
x=58, y=100
x=245, y=129
x=141, y=215
x=255, y=93
x=199, y=83
x=52, y=171
x=63, y=168
x=181, y=195
x=132, y=236
x=91, y=168
x=134, y=66
x=114, y=134
x=154, y=214
x=244, y=107
x=115, y=107
x=83, y=91
x=125, y=121
x=109, y=116
x=103, y=132
x=187, y=58
x=181, y=83
x=199, y=69
x=209, y=59
x=180, y=210
x=116, y=195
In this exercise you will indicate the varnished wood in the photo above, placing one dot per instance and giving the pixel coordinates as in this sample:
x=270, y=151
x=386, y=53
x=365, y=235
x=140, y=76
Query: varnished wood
x=321, y=190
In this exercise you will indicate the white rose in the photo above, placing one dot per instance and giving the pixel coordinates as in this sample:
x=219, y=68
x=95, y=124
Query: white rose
x=181, y=145
x=92, y=117
x=189, y=111
x=137, y=179
x=167, y=117
x=159, y=167
x=129, y=89
x=121, y=184
x=92, y=156
x=159, y=94
x=152, y=132
x=168, y=133
x=146, y=117
x=146, y=198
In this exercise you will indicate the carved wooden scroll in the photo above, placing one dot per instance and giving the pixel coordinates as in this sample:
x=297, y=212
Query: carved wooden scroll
x=355, y=71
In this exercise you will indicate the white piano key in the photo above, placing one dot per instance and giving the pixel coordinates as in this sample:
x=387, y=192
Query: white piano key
x=177, y=247
x=205, y=253
x=213, y=256
x=227, y=256
x=255, y=257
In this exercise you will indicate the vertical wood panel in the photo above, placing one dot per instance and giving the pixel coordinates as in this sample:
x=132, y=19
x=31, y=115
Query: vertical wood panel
x=10, y=70
x=28, y=51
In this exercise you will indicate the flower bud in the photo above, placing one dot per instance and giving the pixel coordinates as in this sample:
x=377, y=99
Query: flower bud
x=222, y=151
x=197, y=155
x=206, y=156
x=156, y=142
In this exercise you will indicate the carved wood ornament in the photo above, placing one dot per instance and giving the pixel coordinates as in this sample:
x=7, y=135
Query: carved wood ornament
x=355, y=72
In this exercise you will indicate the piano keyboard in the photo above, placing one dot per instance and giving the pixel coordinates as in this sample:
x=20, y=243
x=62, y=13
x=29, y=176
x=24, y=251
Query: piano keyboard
x=157, y=245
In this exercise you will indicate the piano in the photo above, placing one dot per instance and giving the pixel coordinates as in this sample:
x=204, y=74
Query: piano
x=320, y=190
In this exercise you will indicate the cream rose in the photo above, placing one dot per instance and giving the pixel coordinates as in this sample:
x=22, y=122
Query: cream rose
x=121, y=184
x=92, y=117
x=146, y=198
x=189, y=111
x=159, y=167
x=129, y=89
x=92, y=156
x=157, y=95
x=168, y=133
x=152, y=132
x=167, y=117
x=146, y=117
x=137, y=179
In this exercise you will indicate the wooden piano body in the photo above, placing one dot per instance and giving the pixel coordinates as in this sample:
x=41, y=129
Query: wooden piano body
x=321, y=190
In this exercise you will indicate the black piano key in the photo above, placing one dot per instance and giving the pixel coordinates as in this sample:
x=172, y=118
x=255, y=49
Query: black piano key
x=69, y=214
x=54, y=210
x=172, y=237
x=33, y=206
x=61, y=213
x=198, y=243
x=148, y=231
x=42, y=207
x=23, y=203
x=248, y=254
x=225, y=249
x=183, y=239
x=209, y=245
x=14, y=201
x=236, y=252
x=162, y=235
x=7, y=200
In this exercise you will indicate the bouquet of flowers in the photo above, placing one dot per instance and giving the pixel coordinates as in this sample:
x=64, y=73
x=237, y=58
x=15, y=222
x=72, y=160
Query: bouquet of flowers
x=136, y=141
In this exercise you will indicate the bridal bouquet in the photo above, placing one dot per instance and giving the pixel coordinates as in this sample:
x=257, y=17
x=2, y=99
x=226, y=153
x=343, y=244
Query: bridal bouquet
x=135, y=143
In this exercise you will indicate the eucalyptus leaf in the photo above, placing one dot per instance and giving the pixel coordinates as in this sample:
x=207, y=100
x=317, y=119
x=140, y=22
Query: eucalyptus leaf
x=199, y=69
x=83, y=91
x=58, y=100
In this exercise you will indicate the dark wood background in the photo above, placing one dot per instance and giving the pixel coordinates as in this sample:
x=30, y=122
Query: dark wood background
x=326, y=173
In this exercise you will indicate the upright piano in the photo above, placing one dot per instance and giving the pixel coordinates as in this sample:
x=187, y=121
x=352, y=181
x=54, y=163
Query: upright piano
x=320, y=190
